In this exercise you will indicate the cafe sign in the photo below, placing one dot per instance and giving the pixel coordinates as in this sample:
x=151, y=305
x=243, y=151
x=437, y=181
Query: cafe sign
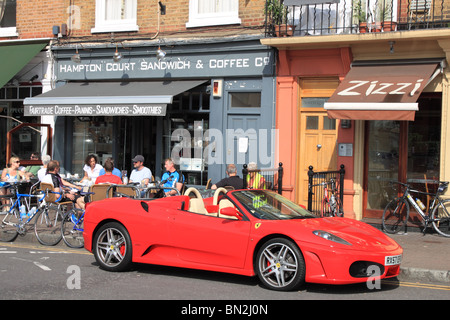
x=176, y=66
x=96, y=110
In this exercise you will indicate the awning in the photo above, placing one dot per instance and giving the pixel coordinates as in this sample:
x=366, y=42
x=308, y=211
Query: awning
x=15, y=57
x=377, y=91
x=108, y=98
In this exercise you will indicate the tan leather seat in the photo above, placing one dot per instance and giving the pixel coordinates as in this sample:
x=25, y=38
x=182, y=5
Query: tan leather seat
x=225, y=203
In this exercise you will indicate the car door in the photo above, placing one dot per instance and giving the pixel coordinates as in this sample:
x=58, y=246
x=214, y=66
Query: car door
x=210, y=240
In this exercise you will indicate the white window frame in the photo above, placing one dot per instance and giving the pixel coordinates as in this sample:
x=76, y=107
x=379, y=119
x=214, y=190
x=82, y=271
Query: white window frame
x=8, y=31
x=212, y=19
x=122, y=25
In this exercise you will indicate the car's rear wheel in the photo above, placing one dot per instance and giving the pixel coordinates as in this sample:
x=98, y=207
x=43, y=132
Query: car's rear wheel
x=112, y=247
x=280, y=265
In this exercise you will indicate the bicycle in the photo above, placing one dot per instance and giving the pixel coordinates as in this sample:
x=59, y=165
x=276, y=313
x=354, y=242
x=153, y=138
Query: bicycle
x=396, y=213
x=72, y=228
x=331, y=203
x=46, y=223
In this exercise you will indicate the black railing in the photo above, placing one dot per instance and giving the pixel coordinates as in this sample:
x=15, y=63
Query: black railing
x=272, y=178
x=316, y=189
x=357, y=16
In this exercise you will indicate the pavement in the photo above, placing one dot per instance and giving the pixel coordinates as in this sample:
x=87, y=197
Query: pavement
x=426, y=257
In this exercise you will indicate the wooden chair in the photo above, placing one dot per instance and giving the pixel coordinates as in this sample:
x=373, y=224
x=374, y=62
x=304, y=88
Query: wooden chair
x=100, y=192
x=52, y=197
x=117, y=190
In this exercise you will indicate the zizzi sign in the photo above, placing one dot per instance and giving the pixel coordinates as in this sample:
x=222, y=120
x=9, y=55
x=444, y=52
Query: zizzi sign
x=218, y=65
x=95, y=110
x=367, y=88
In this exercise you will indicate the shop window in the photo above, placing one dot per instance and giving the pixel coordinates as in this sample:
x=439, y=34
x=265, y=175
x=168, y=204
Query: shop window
x=91, y=135
x=407, y=151
x=213, y=12
x=184, y=134
x=245, y=99
x=115, y=16
x=8, y=18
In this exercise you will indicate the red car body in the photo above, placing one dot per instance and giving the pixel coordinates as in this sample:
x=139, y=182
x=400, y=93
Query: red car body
x=164, y=232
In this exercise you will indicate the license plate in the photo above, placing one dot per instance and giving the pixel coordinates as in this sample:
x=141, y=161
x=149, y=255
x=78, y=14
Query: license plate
x=392, y=260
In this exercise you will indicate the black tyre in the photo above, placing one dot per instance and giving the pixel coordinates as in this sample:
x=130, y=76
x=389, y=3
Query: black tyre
x=8, y=222
x=72, y=228
x=442, y=215
x=47, y=226
x=395, y=215
x=280, y=265
x=112, y=247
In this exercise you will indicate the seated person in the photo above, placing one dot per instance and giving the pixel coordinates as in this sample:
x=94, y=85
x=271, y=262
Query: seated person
x=52, y=177
x=32, y=171
x=232, y=180
x=140, y=173
x=254, y=179
x=115, y=171
x=171, y=178
x=108, y=177
x=43, y=171
x=91, y=168
x=10, y=174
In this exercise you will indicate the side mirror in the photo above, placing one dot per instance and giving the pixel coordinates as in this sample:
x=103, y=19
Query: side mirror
x=231, y=212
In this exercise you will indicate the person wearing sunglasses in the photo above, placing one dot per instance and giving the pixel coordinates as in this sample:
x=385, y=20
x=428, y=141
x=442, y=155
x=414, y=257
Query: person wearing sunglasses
x=11, y=174
x=140, y=173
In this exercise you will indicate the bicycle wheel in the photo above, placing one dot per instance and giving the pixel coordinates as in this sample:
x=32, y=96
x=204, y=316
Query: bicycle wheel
x=47, y=226
x=8, y=223
x=442, y=215
x=395, y=215
x=72, y=228
x=339, y=209
x=326, y=208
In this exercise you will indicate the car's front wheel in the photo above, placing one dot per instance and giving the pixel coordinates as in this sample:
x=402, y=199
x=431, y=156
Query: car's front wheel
x=280, y=265
x=112, y=247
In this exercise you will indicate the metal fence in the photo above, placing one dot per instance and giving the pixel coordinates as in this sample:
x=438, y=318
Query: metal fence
x=355, y=16
x=272, y=177
x=316, y=189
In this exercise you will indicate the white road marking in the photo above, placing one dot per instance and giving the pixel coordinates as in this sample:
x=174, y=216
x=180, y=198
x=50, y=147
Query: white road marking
x=38, y=264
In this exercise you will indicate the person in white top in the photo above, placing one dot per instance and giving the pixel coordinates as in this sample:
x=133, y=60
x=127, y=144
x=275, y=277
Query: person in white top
x=91, y=168
x=140, y=173
x=43, y=171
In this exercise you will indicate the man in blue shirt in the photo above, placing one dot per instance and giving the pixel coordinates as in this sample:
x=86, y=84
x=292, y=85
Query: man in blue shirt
x=115, y=171
x=171, y=178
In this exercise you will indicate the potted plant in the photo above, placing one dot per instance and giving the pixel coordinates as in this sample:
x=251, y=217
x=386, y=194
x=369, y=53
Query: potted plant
x=360, y=15
x=386, y=14
x=278, y=16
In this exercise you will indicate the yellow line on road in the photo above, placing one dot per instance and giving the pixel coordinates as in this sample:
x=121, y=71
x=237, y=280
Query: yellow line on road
x=42, y=248
x=417, y=285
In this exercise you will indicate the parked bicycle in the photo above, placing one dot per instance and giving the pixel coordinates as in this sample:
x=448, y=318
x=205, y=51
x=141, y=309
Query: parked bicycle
x=18, y=214
x=331, y=204
x=72, y=228
x=396, y=213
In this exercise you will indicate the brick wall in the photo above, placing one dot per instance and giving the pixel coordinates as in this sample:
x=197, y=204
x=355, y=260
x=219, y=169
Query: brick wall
x=36, y=18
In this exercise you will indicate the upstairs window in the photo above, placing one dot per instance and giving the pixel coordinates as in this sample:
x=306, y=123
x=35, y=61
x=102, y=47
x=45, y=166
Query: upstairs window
x=115, y=16
x=213, y=12
x=8, y=18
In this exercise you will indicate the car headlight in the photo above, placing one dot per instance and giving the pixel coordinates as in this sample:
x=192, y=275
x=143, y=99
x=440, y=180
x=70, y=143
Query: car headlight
x=329, y=236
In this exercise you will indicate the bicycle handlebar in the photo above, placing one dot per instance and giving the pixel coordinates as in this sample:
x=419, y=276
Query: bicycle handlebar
x=442, y=186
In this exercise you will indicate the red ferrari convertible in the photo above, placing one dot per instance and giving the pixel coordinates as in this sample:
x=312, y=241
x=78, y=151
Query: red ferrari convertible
x=246, y=232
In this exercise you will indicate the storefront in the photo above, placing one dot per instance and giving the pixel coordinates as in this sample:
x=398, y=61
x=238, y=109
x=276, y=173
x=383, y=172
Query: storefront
x=22, y=71
x=397, y=130
x=180, y=106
